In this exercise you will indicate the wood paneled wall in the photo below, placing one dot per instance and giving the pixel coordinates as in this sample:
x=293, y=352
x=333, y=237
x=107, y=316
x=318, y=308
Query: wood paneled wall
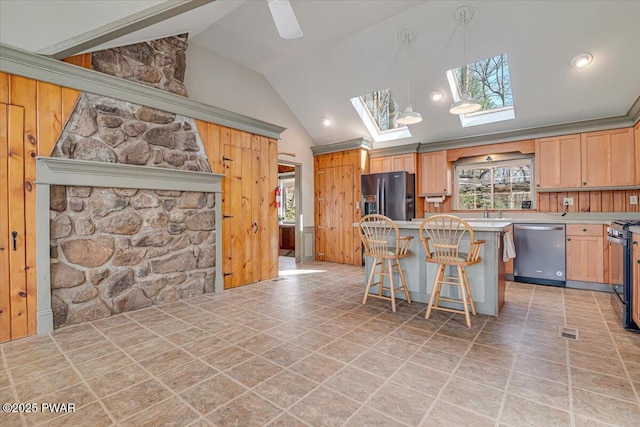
x=250, y=217
x=47, y=107
x=589, y=201
x=337, y=205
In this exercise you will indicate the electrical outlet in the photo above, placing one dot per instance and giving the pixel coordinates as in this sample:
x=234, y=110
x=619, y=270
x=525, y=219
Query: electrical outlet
x=633, y=200
x=568, y=201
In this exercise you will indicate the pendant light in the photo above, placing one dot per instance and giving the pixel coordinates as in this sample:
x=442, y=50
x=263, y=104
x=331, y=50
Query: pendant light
x=466, y=104
x=408, y=117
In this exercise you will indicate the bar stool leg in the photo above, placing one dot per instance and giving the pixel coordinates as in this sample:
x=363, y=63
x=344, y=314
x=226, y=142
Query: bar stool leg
x=391, y=286
x=371, y=274
x=403, y=281
x=466, y=282
x=436, y=288
x=465, y=302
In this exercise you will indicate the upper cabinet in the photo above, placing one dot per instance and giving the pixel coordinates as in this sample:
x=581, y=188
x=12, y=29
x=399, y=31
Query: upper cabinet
x=435, y=174
x=608, y=158
x=585, y=161
x=401, y=162
x=557, y=162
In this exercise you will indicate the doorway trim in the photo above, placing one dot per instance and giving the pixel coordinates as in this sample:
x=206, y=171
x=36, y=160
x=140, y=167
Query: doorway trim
x=297, y=194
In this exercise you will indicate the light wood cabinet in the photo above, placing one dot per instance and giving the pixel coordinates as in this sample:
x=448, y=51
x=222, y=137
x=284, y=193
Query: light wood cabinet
x=558, y=162
x=635, y=268
x=608, y=158
x=585, y=252
x=401, y=162
x=435, y=174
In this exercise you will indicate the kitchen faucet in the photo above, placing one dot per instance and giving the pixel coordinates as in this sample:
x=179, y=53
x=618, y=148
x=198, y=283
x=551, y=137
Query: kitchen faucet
x=486, y=211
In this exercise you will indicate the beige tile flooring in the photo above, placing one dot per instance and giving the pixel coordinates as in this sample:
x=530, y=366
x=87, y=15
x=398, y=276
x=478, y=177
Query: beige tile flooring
x=304, y=351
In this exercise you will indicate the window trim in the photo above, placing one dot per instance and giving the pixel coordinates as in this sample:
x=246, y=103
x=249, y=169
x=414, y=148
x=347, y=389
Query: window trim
x=503, y=160
x=484, y=116
x=371, y=125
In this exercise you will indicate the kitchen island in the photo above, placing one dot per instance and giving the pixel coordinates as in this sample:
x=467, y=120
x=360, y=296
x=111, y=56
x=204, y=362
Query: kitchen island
x=486, y=279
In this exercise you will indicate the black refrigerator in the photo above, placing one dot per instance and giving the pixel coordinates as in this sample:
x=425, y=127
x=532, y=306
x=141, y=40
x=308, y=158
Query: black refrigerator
x=391, y=194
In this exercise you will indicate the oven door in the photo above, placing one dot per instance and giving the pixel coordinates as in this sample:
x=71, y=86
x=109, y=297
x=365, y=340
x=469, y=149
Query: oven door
x=616, y=266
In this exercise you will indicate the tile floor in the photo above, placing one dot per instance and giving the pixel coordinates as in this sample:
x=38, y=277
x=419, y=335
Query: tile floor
x=304, y=351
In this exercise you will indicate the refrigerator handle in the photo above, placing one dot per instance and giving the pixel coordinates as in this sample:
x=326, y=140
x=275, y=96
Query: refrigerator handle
x=384, y=198
x=378, y=209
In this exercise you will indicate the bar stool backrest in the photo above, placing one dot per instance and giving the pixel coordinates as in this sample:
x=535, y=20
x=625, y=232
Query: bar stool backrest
x=442, y=237
x=381, y=237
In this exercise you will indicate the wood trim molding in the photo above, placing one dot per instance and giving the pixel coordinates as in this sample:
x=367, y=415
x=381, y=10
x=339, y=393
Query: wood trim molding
x=56, y=171
x=121, y=27
x=531, y=133
x=26, y=64
x=351, y=144
x=394, y=151
x=525, y=147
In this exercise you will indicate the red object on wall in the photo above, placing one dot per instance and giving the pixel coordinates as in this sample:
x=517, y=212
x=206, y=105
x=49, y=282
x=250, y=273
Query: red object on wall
x=278, y=197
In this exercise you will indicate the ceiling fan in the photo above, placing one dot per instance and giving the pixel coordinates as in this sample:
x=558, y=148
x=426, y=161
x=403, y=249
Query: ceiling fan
x=284, y=18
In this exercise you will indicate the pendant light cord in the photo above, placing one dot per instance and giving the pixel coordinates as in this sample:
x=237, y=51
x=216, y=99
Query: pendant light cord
x=464, y=51
x=406, y=39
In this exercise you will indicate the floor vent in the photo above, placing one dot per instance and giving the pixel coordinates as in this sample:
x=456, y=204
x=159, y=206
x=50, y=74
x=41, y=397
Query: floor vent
x=568, y=333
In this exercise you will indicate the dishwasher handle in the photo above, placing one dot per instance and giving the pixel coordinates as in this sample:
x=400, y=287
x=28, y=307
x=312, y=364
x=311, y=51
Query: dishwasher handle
x=539, y=227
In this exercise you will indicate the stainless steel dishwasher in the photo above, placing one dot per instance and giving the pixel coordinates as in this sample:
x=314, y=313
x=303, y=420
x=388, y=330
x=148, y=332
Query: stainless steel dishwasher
x=540, y=254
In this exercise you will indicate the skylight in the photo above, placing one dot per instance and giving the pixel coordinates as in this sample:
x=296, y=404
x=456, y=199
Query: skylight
x=379, y=111
x=488, y=81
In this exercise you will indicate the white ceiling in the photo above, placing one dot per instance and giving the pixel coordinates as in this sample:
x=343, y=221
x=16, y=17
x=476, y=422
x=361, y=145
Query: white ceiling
x=351, y=47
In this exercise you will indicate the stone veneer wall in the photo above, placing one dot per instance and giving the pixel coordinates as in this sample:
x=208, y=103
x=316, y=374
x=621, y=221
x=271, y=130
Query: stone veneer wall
x=159, y=63
x=114, y=250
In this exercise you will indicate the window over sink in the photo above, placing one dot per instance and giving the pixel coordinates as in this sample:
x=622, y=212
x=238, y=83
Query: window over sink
x=503, y=184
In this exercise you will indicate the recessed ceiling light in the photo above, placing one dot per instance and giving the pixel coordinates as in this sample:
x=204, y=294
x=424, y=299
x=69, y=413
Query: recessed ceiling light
x=326, y=122
x=582, y=60
x=436, y=96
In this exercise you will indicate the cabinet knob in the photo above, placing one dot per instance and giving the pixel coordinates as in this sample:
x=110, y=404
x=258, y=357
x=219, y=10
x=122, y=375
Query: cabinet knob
x=584, y=229
x=537, y=185
x=569, y=239
x=584, y=183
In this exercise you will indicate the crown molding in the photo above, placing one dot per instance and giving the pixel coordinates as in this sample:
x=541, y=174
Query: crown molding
x=394, y=151
x=26, y=64
x=530, y=133
x=351, y=144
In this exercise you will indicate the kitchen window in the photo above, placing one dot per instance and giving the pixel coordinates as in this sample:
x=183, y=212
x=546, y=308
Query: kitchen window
x=495, y=184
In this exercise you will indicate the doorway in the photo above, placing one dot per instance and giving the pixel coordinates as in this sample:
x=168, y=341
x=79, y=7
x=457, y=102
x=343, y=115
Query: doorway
x=290, y=213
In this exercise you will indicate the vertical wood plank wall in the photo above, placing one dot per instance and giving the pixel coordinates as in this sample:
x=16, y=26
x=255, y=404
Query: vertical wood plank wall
x=339, y=187
x=46, y=108
x=250, y=217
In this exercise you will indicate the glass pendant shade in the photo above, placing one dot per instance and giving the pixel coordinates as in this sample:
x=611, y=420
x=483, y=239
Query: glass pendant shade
x=466, y=105
x=409, y=117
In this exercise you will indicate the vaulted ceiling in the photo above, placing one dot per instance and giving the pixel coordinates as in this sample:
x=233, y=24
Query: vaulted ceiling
x=351, y=47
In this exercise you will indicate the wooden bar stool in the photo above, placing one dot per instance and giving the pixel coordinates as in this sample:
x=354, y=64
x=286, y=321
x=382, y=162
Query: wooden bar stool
x=442, y=237
x=382, y=243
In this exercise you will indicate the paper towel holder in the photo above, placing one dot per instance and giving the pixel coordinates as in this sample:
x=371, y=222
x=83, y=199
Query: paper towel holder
x=434, y=199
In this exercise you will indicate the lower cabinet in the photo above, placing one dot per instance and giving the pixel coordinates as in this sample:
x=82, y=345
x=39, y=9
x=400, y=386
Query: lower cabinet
x=635, y=292
x=585, y=252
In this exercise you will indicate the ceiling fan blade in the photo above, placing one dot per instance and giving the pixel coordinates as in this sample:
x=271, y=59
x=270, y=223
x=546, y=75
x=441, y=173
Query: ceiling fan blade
x=284, y=18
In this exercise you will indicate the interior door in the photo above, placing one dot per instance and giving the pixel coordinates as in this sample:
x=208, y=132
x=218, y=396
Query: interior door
x=336, y=214
x=250, y=229
x=13, y=274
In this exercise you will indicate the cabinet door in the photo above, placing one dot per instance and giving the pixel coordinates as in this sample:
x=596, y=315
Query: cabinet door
x=375, y=165
x=608, y=158
x=635, y=268
x=404, y=162
x=558, y=162
x=585, y=258
x=435, y=174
